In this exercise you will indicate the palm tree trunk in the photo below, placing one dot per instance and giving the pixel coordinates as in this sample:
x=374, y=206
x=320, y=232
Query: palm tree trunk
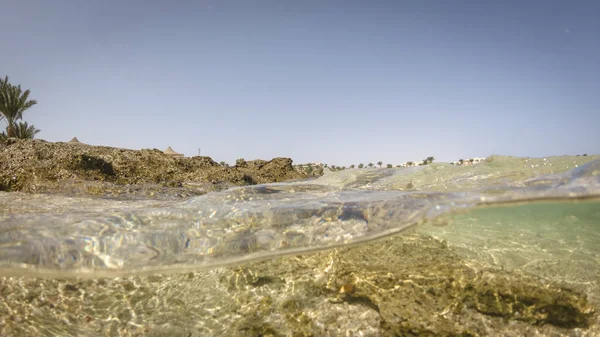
x=10, y=129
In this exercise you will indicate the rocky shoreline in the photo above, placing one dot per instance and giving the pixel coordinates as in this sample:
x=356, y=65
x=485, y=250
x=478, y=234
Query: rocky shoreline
x=75, y=168
x=412, y=284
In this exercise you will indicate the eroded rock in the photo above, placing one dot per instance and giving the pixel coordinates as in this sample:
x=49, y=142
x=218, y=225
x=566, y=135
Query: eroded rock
x=410, y=285
x=40, y=166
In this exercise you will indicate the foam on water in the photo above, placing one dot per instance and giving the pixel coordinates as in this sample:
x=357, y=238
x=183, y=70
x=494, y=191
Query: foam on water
x=62, y=236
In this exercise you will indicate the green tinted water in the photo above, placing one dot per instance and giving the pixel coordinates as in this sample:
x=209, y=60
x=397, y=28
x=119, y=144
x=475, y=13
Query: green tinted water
x=526, y=269
x=559, y=241
x=517, y=269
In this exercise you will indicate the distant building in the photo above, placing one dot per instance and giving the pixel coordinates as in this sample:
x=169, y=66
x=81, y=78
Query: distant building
x=413, y=163
x=468, y=162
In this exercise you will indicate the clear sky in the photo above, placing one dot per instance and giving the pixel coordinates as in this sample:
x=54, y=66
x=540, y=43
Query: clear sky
x=340, y=82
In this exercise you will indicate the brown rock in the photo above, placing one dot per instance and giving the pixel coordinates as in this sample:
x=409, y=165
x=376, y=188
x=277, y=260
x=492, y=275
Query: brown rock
x=38, y=165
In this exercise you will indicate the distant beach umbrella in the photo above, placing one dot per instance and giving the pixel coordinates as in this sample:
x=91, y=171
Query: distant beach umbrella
x=169, y=151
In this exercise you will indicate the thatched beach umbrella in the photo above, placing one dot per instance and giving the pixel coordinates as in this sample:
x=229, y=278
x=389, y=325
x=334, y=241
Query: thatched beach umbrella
x=169, y=151
x=75, y=141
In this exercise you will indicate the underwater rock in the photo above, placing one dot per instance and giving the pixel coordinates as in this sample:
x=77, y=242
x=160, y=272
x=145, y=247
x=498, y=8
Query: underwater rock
x=411, y=285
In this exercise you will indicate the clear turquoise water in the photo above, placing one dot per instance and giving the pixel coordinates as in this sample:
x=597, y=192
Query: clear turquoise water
x=556, y=240
x=102, y=237
x=540, y=217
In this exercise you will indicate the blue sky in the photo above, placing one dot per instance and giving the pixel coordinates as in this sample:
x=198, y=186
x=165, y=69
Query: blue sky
x=340, y=82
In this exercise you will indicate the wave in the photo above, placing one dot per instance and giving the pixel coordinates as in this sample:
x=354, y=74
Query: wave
x=58, y=236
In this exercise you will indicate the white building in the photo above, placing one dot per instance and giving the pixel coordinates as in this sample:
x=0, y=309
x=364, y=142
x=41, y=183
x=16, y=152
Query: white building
x=468, y=162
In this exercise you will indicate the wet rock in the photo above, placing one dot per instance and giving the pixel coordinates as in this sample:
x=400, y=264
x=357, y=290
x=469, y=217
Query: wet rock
x=40, y=166
x=241, y=163
x=277, y=169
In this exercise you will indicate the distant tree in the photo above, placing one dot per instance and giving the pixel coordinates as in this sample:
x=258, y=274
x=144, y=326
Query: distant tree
x=222, y=163
x=461, y=161
x=325, y=165
x=361, y=165
x=430, y=160
x=343, y=167
x=389, y=166
x=585, y=154
x=379, y=163
x=309, y=169
x=13, y=102
x=333, y=167
x=352, y=166
x=471, y=160
x=424, y=162
x=371, y=165
x=410, y=163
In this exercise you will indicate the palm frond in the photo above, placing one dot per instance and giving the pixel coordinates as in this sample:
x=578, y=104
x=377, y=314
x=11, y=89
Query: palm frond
x=13, y=102
x=23, y=130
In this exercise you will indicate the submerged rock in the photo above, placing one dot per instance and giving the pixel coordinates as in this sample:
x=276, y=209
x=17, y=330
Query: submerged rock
x=409, y=285
x=40, y=166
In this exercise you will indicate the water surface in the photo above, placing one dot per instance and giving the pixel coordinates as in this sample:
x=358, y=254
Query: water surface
x=205, y=265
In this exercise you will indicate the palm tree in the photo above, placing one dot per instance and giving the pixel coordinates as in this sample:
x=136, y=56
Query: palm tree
x=370, y=165
x=3, y=82
x=24, y=131
x=380, y=163
x=13, y=102
x=361, y=165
